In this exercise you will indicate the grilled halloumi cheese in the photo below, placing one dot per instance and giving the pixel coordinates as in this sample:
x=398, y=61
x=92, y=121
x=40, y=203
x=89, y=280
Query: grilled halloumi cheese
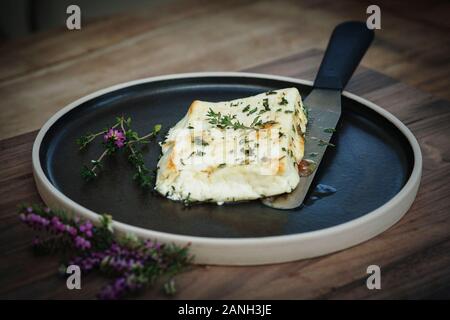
x=243, y=149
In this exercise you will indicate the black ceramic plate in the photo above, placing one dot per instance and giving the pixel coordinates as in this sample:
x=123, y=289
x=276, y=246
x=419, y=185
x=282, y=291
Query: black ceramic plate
x=371, y=163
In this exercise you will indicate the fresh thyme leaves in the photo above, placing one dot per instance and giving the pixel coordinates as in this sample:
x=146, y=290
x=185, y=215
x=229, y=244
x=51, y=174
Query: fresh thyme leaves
x=291, y=153
x=188, y=201
x=134, y=264
x=288, y=111
x=230, y=122
x=256, y=122
x=120, y=136
x=141, y=175
x=306, y=111
x=262, y=111
x=252, y=111
x=224, y=121
x=324, y=143
x=266, y=104
x=329, y=130
x=246, y=108
x=200, y=142
x=267, y=123
x=283, y=101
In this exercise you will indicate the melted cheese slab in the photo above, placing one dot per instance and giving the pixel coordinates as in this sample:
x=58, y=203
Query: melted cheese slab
x=237, y=150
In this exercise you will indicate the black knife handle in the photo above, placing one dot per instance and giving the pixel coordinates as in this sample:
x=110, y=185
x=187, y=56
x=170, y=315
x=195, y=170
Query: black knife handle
x=346, y=47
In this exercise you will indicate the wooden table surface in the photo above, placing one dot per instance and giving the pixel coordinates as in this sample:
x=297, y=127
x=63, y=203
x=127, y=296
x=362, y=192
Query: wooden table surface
x=42, y=73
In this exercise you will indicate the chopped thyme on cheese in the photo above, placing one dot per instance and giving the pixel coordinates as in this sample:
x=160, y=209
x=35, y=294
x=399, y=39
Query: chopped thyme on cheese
x=252, y=111
x=283, y=101
x=266, y=104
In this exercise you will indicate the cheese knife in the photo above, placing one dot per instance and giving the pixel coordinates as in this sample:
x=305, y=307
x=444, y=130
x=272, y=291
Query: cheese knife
x=348, y=44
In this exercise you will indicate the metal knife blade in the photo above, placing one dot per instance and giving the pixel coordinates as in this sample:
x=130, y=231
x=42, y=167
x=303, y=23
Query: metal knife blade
x=324, y=110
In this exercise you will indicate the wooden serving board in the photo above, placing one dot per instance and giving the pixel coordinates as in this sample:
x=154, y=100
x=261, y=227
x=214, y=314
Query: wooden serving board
x=413, y=255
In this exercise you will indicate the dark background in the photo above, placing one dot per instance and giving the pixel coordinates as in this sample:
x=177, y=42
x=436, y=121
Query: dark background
x=22, y=17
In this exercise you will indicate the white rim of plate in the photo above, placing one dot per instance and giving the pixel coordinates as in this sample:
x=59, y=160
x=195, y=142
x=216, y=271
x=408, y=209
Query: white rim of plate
x=246, y=251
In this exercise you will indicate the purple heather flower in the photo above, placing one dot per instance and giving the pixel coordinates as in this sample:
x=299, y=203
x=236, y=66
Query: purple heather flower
x=127, y=261
x=88, y=225
x=57, y=225
x=71, y=230
x=120, y=287
x=45, y=222
x=149, y=244
x=117, y=136
x=87, y=263
x=82, y=243
x=86, y=228
x=35, y=220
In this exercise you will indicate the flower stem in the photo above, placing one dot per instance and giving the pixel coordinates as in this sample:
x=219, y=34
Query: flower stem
x=147, y=136
x=99, y=160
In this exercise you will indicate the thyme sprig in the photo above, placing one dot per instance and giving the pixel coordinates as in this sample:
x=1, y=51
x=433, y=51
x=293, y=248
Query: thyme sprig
x=120, y=136
x=224, y=121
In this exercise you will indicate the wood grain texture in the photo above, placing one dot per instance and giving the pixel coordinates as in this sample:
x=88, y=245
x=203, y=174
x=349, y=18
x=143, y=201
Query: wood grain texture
x=42, y=73
x=413, y=254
